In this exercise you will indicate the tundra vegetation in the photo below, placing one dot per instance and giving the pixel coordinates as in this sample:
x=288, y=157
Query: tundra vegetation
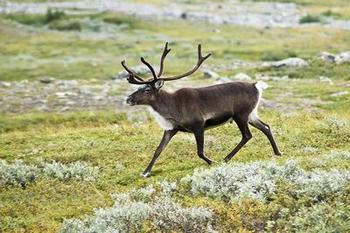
x=71, y=154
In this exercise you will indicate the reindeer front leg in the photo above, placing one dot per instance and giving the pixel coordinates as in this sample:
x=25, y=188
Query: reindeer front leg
x=199, y=135
x=168, y=134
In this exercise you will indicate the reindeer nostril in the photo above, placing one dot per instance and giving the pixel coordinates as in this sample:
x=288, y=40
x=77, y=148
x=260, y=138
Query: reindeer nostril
x=130, y=100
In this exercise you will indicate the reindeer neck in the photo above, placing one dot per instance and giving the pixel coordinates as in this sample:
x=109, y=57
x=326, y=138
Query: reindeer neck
x=162, y=103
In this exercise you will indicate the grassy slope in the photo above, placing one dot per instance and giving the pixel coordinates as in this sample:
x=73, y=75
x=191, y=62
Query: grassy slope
x=29, y=52
x=111, y=142
x=42, y=205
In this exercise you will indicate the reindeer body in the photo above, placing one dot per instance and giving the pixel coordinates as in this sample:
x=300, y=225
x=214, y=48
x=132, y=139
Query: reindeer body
x=196, y=109
x=210, y=106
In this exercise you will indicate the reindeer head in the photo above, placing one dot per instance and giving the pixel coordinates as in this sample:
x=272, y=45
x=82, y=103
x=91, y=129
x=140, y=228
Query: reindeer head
x=148, y=93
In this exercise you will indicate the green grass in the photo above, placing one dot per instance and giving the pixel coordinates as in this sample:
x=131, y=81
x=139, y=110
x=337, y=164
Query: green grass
x=122, y=149
x=44, y=204
x=13, y=122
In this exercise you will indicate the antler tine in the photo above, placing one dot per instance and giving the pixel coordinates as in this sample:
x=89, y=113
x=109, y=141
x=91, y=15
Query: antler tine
x=131, y=72
x=133, y=77
x=165, y=52
x=150, y=67
x=201, y=59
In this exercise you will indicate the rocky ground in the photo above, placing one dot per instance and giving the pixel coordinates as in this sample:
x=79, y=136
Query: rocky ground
x=245, y=13
x=48, y=94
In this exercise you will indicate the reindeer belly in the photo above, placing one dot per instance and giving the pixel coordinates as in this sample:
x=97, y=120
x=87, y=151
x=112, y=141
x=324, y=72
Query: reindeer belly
x=216, y=121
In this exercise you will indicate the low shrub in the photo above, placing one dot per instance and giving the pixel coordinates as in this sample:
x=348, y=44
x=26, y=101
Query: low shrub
x=321, y=217
x=80, y=171
x=53, y=14
x=259, y=181
x=310, y=19
x=66, y=25
x=17, y=173
x=21, y=174
x=144, y=210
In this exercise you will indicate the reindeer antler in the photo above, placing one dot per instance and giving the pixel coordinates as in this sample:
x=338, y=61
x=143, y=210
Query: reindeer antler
x=150, y=68
x=201, y=59
x=165, y=52
x=135, y=79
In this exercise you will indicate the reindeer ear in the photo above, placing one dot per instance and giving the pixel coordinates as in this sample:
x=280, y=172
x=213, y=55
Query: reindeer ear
x=159, y=84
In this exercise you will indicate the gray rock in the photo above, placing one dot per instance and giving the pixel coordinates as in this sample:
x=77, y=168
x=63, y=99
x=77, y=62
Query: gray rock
x=340, y=93
x=324, y=79
x=268, y=104
x=294, y=62
x=210, y=74
x=46, y=79
x=223, y=80
x=5, y=84
x=328, y=57
x=343, y=57
x=68, y=83
x=64, y=109
x=65, y=94
x=242, y=76
x=267, y=77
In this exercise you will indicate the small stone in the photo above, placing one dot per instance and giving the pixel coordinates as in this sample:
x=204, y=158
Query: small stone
x=340, y=93
x=343, y=57
x=5, y=84
x=223, y=80
x=70, y=103
x=43, y=108
x=291, y=62
x=65, y=94
x=268, y=104
x=262, y=77
x=99, y=98
x=210, y=74
x=68, y=83
x=265, y=77
x=46, y=79
x=324, y=79
x=325, y=56
x=64, y=109
x=242, y=76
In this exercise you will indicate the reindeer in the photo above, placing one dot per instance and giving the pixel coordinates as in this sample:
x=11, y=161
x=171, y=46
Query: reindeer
x=194, y=110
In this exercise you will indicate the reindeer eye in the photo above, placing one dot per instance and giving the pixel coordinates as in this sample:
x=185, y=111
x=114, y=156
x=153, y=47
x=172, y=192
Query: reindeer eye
x=147, y=90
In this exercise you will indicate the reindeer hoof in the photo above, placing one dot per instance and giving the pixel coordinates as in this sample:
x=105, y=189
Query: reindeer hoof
x=278, y=153
x=146, y=174
x=212, y=161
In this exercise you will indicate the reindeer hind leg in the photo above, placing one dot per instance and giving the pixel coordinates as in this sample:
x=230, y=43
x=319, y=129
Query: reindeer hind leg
x=265, y=128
